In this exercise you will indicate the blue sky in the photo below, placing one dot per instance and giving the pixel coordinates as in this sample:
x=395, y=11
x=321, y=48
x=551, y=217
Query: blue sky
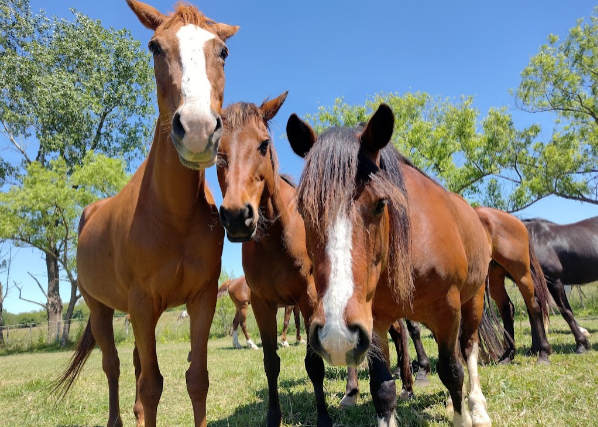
x=323, y=50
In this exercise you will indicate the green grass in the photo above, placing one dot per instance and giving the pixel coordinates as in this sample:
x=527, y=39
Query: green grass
x=522, y=394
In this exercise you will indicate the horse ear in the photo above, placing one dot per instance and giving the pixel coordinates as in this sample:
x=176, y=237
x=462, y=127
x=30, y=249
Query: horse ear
x=271, y=107
x=378, y=130
x=301, y=135
x=224, y=31
x=150, y=17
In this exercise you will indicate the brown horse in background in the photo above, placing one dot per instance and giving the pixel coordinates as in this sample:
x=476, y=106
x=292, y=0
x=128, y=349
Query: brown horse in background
x=240, y=295
x=258, y=209
x=387, y=242
x=158, y=242
x=513, y=256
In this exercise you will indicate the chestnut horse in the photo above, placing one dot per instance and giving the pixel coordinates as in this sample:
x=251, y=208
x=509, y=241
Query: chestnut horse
x=387, y=242
x=568, y=255
x=158, y=242
x=513, y=256
x=240, y=295
x=258, y=209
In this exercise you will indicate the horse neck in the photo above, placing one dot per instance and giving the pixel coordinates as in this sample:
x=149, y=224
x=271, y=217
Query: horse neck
x=276, y=209
x=174, y=188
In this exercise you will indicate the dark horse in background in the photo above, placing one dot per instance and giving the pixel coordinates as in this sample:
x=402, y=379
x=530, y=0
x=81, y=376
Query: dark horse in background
x=568, y=255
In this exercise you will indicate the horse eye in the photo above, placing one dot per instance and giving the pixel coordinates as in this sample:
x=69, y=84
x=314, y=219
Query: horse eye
x=264, y=147
x=224, y=53
x=380, y=205
x=154, y=48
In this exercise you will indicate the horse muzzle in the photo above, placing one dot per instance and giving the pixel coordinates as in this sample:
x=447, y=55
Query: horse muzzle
x=197, y=141
x=345, y=346
x=240, y=224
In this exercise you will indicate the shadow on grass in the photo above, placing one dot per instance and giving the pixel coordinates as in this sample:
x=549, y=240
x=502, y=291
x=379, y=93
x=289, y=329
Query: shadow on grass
x=300, y=409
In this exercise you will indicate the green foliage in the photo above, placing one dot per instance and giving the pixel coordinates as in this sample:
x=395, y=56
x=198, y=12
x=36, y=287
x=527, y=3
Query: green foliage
x=486, y=160
x=43, y=211
x=73, y=86
x=562, y=79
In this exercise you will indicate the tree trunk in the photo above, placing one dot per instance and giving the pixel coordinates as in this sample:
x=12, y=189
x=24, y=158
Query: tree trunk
x=54, y=306
x=69, y=314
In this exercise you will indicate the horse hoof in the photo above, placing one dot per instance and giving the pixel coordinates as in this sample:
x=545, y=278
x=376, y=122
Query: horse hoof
x=542, y=361
x=284, y=343
x=406, y=395
x=581, y=349
x=348, y=401
x=302, y=342
x=421, y=379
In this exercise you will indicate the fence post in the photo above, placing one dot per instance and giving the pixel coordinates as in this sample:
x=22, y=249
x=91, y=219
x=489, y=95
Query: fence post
x=58, y=332
x=30, y=336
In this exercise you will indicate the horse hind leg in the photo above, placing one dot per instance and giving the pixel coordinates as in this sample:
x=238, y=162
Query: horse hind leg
x=471, y=313
x=234, y=332
x=398, y=334
x=352, y=389
x=555, y=286
x=285, y=326
x=101, y=326
x=496, y=279
x=297, y=314
x=243, y=322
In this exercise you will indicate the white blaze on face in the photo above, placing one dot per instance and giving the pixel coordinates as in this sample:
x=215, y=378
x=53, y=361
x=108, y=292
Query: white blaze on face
x=196, y=113
x=335, y=337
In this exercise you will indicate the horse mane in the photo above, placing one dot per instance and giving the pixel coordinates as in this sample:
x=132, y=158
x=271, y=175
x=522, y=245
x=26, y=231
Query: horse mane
x=289, y=180
x=239, y=114
x=328, y=184
x=529, y=220
x=186, y=13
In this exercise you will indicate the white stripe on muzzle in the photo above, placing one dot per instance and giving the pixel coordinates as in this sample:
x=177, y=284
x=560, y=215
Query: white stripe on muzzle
x=335, y=337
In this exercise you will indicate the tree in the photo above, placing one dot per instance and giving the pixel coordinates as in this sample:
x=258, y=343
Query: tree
x=5, y=261
x=70, y=92
x=562, y=79
x=43, y=212
x=488, y=161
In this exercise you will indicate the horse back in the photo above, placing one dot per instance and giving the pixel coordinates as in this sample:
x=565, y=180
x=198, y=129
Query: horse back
x=450, y=246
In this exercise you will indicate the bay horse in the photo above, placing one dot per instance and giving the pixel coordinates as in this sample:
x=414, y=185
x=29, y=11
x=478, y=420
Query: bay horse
x=259, y=210
x=240, y=295
x=568, y=255
x=387, y=242
x=158, y=243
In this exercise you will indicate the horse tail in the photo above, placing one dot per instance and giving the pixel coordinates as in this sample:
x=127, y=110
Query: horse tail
x=223, y=289
x=490, y=331
x=86, y=344
x=540, y=287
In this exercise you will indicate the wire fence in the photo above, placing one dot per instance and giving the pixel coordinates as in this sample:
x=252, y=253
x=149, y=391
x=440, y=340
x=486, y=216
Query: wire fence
x=172, y=326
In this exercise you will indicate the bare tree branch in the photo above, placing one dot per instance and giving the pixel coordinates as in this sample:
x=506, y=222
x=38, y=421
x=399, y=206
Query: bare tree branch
x=28, y=300
x=11, y=138
x=38, y=284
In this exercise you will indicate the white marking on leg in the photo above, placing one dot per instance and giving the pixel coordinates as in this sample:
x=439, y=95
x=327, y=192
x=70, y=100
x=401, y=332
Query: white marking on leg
x=391, y=423
x=335, y=337
x=250, y=344
x=584, y=331
x=477, y=401
x=236, y=342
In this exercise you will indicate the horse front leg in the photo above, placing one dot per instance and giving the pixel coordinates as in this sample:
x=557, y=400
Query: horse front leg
x=285, y=325
x=201, y=313
x=352, y=389
x=423, y=362
x=382, y=383
x=265, y=315
x=150, y=382
x=314, y=365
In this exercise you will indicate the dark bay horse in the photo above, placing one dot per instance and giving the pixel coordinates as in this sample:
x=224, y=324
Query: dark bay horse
x=387, y=242
x=259, y=209
x=568, y=255
x=240, y=295
x=158, y=242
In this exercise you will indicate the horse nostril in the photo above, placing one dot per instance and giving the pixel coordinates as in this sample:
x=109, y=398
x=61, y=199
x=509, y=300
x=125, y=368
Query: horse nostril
x=363, y=339
x=224, y=217
x=177, y=126
x=218, y=124
x=247, y=213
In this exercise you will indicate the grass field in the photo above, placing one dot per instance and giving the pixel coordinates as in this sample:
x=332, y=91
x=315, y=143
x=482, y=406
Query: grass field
x=522, y=394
